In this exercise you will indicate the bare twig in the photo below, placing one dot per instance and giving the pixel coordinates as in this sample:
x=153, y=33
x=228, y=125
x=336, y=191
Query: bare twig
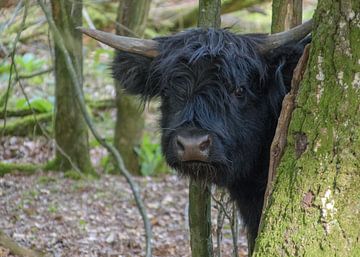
x=35, y=74
x=224, y=209
x=12, y=58
x=219, y=226
x=221, y=205
x=235, y=230
x=280, y=138
x=5, y=96
x=8, y=23
x=110, y=148
x=220, y=223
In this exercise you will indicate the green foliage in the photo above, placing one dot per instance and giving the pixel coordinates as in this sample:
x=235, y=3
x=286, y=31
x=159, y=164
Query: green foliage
x=38, y=104
x=151, y=159
x=99, y=65
x=151, y=32
x=107, y=165
x=102, y=15
x=25, y=64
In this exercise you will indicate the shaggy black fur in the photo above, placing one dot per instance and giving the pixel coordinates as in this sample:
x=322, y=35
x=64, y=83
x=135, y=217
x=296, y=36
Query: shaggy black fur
x=218, y=82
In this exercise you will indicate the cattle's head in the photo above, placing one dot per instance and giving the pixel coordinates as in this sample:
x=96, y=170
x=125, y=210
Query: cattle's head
x=220, y=97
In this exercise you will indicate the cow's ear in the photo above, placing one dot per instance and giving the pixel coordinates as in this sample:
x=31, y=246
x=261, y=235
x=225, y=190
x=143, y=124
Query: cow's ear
x=281, y=63
x=133, y=71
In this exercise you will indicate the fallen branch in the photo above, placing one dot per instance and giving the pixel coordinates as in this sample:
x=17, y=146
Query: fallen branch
x=102, y=104
x=26, y=125
x=26, y=168
x=235, y=5
x=280, y=138
x=16, y=249
x=80, y=100
x=94, y=105
x=17, y=113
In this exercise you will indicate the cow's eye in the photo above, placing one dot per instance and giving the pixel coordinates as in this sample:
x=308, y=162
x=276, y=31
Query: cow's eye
x=239, y=92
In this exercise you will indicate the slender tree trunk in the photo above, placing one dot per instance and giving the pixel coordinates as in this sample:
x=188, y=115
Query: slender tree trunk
x=209, y=14
x=200, y=194
x=314, y=209
x=131, y=18
x=200, y=219
x=286, y=14
x=70, y=129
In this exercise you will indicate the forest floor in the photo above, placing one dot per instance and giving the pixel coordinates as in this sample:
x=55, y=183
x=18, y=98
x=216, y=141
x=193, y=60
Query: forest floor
x=93, y=217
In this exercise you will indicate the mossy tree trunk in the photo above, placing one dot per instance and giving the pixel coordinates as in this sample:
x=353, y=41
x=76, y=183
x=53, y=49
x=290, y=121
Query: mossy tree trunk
x=286, y=14
x=71, y=133
x=314, y=209
x=131, y=17
x=199, y=193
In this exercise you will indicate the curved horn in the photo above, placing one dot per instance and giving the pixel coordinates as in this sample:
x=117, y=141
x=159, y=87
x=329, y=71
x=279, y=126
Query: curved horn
x=295, y=34
x=144, y=47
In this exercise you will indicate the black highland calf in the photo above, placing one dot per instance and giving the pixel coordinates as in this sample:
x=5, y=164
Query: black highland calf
x=220, y=101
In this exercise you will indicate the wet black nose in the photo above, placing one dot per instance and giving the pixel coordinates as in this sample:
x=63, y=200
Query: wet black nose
x=191, y=147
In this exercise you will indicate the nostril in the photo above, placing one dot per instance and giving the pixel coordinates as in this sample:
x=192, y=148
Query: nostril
x=205, y=144
x=179, y=144
x=192, y=147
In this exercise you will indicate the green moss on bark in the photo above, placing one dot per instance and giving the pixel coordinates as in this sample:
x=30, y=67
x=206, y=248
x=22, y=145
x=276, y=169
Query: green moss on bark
x=20, y=167
x=315, y=207
x=27, y=125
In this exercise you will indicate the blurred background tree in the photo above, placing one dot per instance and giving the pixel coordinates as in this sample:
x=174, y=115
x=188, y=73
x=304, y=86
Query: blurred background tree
x=131, y=21
x=70, y=130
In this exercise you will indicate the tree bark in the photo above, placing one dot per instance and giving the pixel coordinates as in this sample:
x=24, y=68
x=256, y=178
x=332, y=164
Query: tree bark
x=200, y=194
x=132, y=15
x=314, y=207
x=71, y=133
x=286, y=14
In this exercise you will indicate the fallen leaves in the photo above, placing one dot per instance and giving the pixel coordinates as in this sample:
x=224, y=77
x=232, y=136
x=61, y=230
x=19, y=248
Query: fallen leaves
x=96, y=217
